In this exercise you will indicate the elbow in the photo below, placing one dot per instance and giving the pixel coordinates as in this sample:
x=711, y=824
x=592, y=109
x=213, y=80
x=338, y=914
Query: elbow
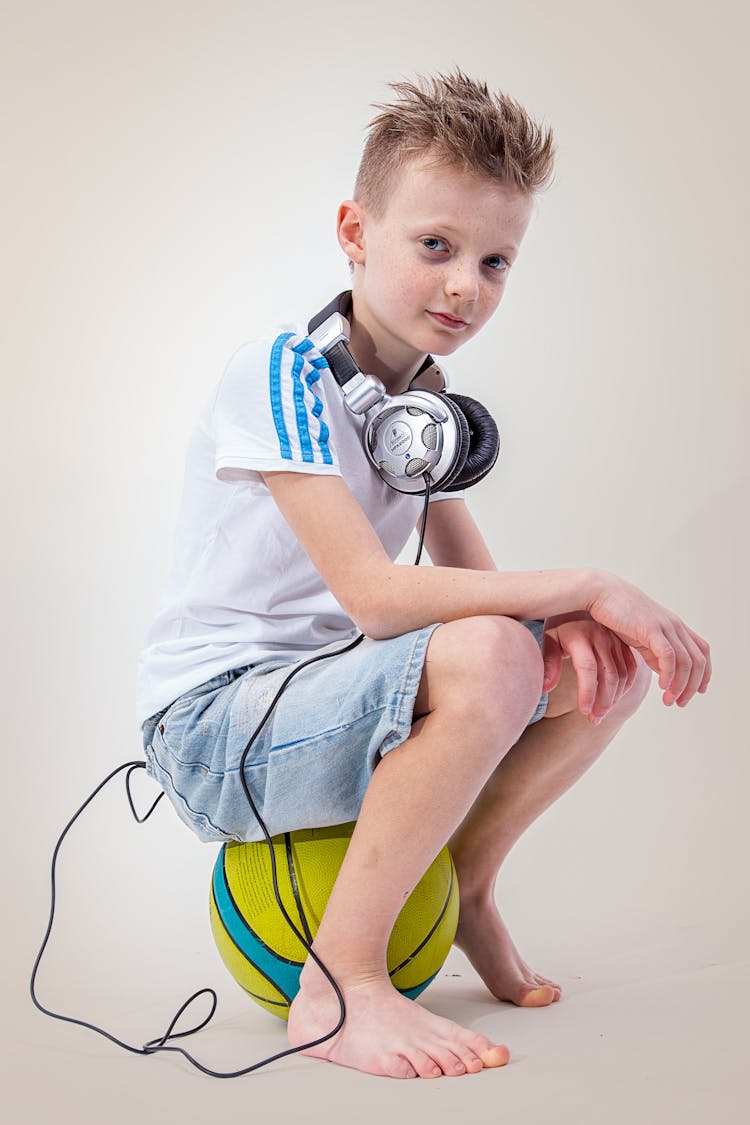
x=374, y=631
x=369, y=621
x=373, y=614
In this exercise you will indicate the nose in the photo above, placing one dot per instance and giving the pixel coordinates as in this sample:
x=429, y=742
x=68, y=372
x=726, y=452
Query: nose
x=462, y=282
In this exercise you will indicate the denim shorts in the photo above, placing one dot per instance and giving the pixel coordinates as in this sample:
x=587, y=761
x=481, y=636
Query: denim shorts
x=311, y=763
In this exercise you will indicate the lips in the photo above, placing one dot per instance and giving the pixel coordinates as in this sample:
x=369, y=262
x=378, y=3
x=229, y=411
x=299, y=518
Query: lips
x=447, y=321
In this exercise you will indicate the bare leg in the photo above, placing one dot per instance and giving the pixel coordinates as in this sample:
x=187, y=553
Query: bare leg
x=549, y=757
x=418, y=796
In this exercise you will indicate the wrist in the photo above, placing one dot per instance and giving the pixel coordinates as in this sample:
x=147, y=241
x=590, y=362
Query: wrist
x=597, y=582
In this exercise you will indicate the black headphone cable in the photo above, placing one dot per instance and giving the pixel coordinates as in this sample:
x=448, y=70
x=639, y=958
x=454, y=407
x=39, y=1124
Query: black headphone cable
x=153, y=1046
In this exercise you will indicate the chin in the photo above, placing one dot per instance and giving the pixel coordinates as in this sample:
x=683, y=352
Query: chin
x=443, y=344
x=427, y=339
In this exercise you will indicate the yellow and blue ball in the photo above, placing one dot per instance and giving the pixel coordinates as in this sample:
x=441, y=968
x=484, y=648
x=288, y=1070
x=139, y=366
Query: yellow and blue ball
x=263, y=954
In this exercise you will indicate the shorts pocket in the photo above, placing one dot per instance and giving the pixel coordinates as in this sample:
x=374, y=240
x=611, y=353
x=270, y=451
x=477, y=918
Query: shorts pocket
x=192, y=791
x=321, y=781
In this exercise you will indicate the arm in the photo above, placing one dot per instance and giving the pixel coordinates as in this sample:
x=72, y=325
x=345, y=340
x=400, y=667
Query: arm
x=454, y=539
x=386, y=599
x=605, y=665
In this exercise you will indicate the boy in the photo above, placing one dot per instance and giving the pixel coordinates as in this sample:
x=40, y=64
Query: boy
x=446, y=724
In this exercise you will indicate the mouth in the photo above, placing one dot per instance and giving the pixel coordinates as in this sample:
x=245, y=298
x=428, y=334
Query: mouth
x=448, y=321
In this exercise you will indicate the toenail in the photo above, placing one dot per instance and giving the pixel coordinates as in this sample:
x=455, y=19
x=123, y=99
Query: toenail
x=459, y=1068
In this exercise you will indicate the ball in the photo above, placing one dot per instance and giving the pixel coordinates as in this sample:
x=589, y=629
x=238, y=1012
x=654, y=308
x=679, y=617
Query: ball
x=263, y=954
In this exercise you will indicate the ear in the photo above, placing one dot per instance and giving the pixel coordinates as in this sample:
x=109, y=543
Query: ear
x=350, y=228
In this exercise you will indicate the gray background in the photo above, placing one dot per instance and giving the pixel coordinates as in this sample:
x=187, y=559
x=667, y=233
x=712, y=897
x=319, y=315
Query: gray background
x=171, y=176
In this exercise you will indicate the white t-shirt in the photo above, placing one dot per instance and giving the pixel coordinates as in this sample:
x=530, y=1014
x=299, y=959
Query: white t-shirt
x=241, y=589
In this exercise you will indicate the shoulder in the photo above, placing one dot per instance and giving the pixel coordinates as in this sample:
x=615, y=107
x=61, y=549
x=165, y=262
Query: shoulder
x=258, y=350
x=269, y=412
x=284, y=349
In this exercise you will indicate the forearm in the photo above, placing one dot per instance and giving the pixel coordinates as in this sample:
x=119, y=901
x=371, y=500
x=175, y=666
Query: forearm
x=410, y=597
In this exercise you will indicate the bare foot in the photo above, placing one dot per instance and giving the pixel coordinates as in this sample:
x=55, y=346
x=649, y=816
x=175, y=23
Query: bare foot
x=483, y=937
x=384, y=1032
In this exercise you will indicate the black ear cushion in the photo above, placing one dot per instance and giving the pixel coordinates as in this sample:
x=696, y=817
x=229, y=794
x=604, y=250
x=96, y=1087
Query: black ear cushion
x=483, y=447
x=462, y=447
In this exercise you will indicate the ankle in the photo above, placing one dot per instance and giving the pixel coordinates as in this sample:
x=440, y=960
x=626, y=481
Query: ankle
x=347, y=973
x=475, y=896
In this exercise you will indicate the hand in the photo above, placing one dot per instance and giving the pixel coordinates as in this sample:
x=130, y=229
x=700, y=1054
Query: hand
x=681, y=658
x=604, y=664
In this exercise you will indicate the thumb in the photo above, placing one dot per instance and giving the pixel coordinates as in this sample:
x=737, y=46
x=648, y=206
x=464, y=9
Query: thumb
x=552, y=656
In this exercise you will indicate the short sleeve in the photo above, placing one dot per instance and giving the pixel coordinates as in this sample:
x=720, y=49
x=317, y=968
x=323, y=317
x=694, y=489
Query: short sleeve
x=270, y=412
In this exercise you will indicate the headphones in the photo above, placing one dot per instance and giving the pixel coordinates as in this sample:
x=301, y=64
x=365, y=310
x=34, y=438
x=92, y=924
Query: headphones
x=452, y=438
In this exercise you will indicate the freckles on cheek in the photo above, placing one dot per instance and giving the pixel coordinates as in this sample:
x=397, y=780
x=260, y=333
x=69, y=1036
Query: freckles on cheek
x=410, y=284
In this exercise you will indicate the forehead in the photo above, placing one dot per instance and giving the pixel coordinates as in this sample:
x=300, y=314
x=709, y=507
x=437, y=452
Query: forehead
x=424, y=191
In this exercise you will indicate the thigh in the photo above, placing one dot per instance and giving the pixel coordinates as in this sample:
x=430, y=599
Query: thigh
x=313, y=757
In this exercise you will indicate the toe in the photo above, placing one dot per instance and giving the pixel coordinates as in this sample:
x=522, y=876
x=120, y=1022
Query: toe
x=424, y=1064
x=537, y=997
x=497, y=1055
x=489, y=1053
x=447, y=1059
x=553, y=984
x=471, y=1061
x=399, y=1067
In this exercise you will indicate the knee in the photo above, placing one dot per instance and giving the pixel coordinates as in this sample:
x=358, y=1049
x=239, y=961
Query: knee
x=489, y=662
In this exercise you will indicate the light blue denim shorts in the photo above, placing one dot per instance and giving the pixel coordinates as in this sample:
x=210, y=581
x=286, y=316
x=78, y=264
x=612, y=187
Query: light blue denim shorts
x=312, y=761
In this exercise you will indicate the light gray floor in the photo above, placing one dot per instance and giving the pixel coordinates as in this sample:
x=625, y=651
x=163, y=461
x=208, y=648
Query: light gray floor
x=654, y=1030
x=631, y=892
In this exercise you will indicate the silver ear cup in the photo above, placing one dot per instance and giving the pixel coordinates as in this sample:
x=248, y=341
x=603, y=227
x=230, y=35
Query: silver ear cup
x=408, y=436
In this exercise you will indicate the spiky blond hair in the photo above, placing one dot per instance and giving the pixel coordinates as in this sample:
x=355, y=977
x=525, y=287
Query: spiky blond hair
x=459, y=123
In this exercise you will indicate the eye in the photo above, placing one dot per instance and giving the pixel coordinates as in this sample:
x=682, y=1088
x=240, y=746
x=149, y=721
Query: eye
x=434, y=243
x=497, y=263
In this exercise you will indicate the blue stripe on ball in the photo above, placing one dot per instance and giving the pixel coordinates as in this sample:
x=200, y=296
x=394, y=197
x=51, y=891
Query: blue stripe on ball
x=282, y=973
x=413, y=993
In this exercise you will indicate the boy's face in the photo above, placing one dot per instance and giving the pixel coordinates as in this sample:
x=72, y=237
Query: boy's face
x=431, y=271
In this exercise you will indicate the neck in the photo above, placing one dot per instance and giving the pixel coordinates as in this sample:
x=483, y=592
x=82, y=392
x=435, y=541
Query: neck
x=377, y=354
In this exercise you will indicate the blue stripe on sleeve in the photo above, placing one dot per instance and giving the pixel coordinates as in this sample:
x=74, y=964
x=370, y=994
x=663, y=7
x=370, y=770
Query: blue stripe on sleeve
x=275, y=387
x=317, y=410
x=300, y=409
x=277, y=373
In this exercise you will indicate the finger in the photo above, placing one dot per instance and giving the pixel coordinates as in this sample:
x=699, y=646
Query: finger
x=552, y=655
x=588, y=676
x=587, y=673
x=697, y=670
x=632, y=665
x=683, y=669
x=660, y=657
x=705, y=648
x=618, y=656
x=608, y=681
